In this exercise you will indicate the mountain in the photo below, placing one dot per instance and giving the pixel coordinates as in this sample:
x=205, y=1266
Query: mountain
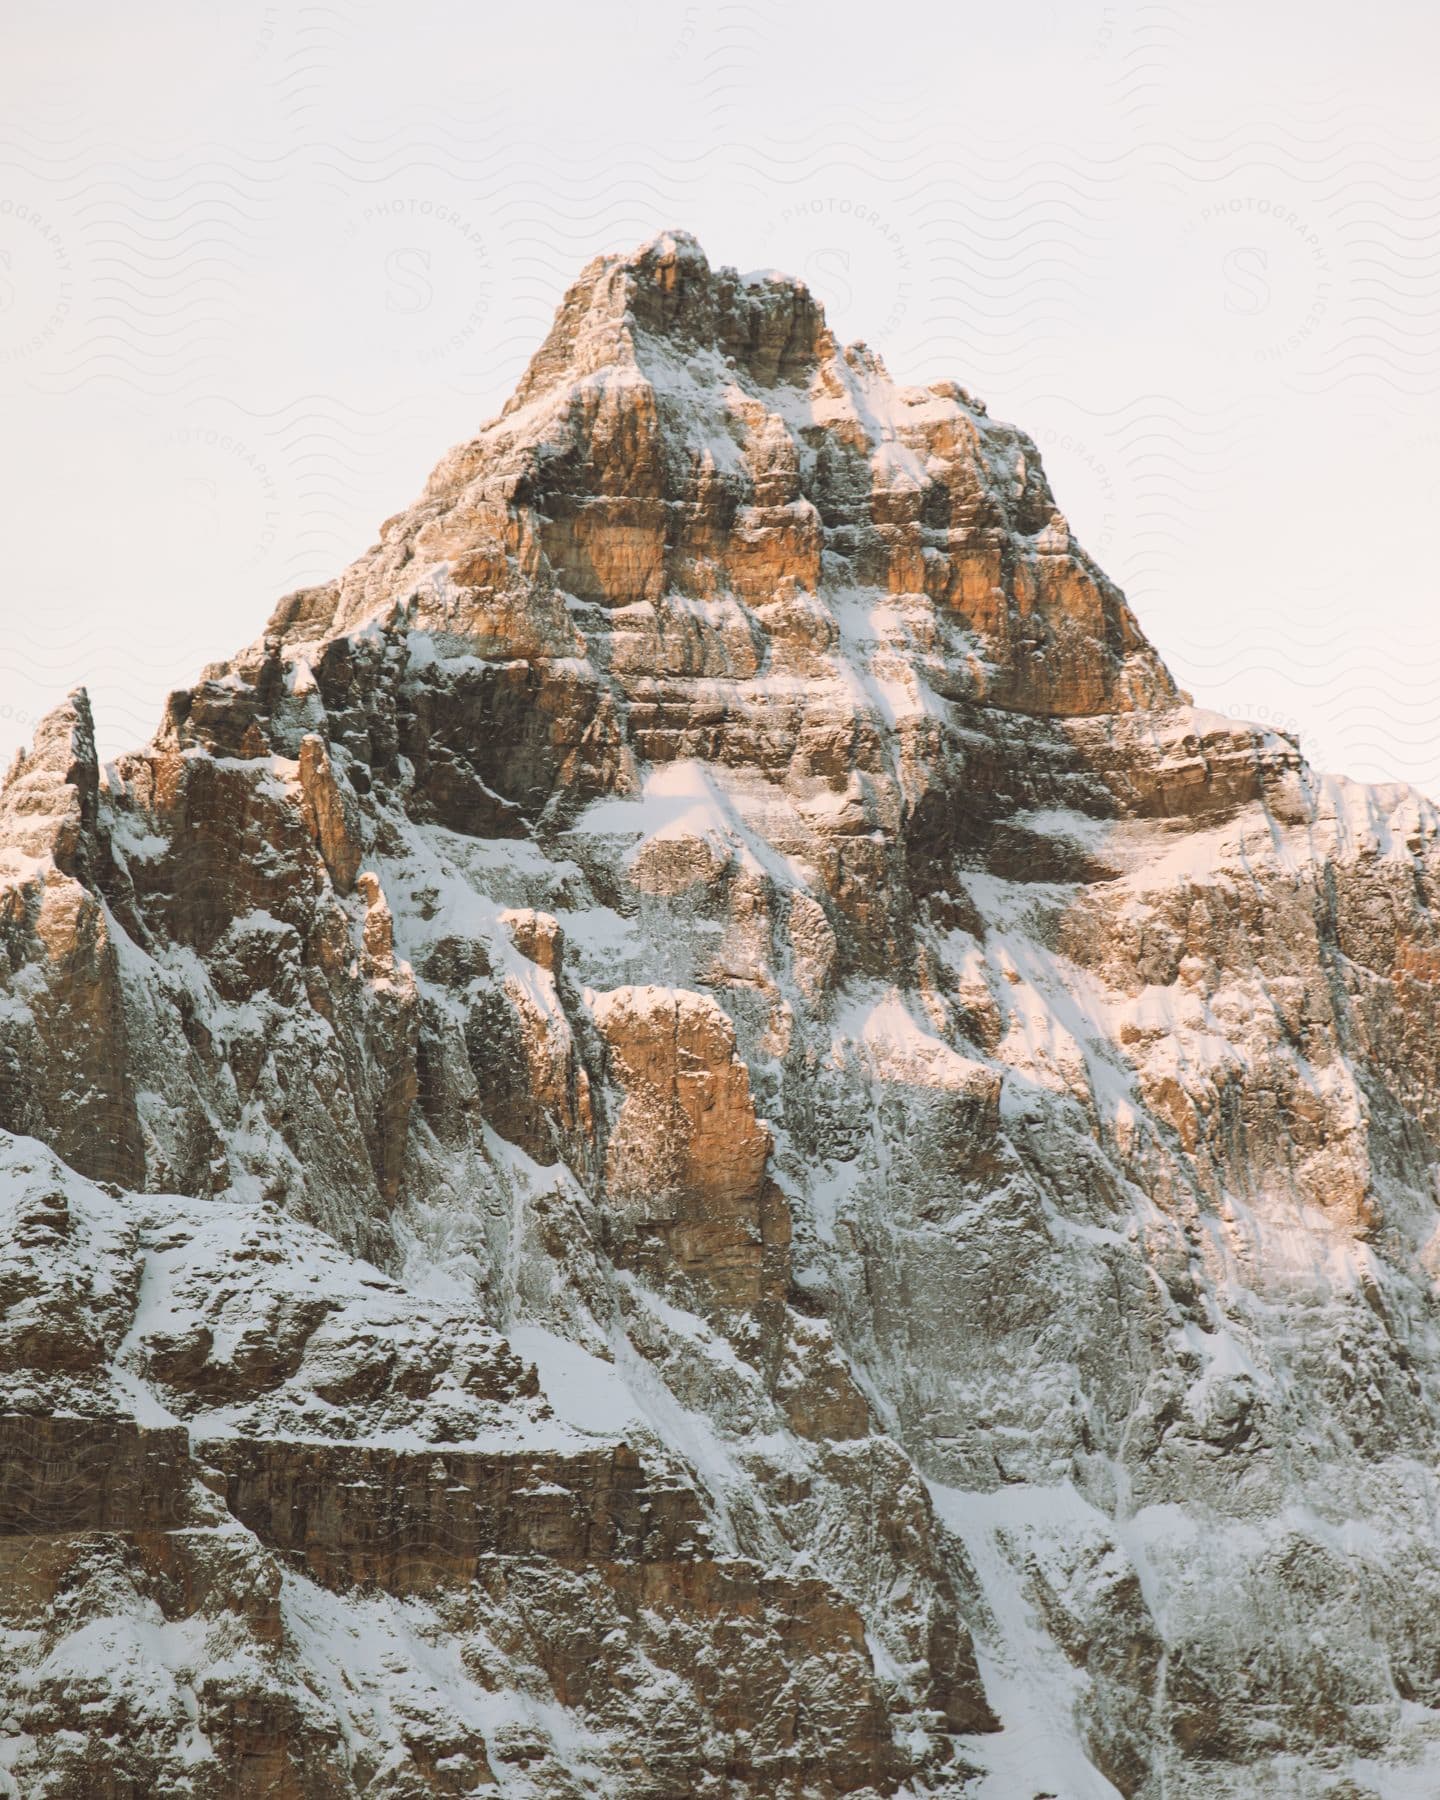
x=692, y=1136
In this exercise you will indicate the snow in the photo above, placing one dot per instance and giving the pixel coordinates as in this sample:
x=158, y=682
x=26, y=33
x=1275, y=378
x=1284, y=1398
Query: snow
x=383, y=1662
x=898, y=1046
x=1030, y=1684
x=617, y=1359
x=601, y=936
x=686, y=800
x=148, y=1663
x=587, y=1392
x=679, y=799
x=828, y=1195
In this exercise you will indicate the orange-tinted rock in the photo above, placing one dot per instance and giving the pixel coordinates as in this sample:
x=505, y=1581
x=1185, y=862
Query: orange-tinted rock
x=685, y=1162
x=49, y=800
x=329, y=814
x=728, y=732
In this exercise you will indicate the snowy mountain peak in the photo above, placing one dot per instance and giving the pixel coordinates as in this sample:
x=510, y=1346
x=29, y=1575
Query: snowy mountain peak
x=692, y=1137
x=665, y=296
x=687, y=438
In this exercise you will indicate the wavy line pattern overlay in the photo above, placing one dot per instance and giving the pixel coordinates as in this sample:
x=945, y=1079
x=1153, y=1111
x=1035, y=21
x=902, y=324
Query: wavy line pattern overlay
x=258, y=270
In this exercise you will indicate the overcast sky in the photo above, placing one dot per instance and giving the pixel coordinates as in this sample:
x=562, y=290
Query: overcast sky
x=260, y=264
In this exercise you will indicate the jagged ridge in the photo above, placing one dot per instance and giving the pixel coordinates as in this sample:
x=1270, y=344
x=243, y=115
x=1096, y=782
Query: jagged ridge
x=723, y=904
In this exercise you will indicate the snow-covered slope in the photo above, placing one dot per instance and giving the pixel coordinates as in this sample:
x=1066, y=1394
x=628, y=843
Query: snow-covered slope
x=692, y=1136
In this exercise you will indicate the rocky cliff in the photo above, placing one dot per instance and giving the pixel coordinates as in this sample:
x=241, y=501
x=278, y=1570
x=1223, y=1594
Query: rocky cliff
x=693, y=1137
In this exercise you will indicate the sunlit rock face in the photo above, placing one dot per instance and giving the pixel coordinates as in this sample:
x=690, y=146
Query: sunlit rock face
x=693, y=1137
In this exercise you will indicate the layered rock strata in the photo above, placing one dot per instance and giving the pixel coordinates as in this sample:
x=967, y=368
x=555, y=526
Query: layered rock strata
x=693, y=1136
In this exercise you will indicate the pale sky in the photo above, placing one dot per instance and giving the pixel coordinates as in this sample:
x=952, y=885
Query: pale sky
x=261, y=264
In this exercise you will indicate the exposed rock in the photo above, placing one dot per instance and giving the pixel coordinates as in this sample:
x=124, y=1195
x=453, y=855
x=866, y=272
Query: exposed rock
x=738, y=1155
x=685, y=1164
x=49, y=801
x=330, y=813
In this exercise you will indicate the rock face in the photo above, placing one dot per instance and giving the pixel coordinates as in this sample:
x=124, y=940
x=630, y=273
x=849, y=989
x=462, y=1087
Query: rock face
x=693, y=1137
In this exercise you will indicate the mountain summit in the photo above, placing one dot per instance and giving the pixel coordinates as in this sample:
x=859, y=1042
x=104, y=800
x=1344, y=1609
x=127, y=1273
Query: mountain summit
x=692, y=1136
x=686, y=436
